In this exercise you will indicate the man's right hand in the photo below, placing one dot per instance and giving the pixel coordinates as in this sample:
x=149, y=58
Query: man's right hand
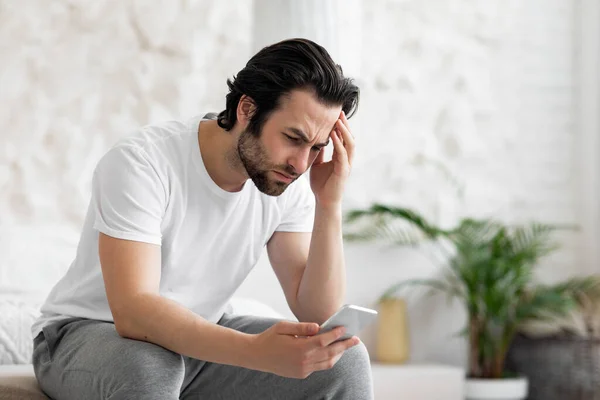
x=294, y=350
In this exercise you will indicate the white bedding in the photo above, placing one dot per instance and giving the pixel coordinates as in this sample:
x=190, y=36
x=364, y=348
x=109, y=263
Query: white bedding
x=16, y=317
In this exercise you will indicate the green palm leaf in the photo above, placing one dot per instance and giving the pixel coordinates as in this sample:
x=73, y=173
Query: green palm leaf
x=491, y=270
x=379, y=213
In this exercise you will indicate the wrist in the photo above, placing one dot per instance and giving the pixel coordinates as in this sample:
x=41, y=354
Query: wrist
x=334, y=208
x=247, y=348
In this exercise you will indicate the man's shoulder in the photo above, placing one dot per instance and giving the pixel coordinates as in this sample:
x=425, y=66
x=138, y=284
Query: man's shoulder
x=151, y=147
x=155, y=134
x=157, y=140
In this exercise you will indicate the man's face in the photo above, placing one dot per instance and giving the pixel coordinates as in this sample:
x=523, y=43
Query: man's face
x=289, y=142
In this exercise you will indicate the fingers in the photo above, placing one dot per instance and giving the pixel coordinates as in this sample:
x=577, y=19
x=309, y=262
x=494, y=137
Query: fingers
x=327, y=338
x=339, y=152
x=327, y=364
x=344, y=345
x=345, y=120
x=337, y=348
x=332, y=353
x=343, y=127
x=296, y=328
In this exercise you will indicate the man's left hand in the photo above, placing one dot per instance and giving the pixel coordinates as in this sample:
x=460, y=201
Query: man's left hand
x=327, y=179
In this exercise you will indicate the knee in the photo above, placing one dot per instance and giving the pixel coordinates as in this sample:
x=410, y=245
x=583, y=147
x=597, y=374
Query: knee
x=354, y=363
x=157, y=374
x=156, y=363
x=351, y=376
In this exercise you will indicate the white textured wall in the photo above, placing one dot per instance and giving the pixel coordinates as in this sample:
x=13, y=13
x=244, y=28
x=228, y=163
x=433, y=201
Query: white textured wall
x=482, y=89
x=478, y=91
x=74, y=77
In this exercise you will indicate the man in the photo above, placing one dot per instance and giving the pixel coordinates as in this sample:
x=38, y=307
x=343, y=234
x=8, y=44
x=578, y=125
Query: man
x=179, y=215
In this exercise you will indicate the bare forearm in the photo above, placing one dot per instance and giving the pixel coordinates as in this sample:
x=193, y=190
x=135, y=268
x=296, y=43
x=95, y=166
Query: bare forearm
x=323, y=285
x=156, y=319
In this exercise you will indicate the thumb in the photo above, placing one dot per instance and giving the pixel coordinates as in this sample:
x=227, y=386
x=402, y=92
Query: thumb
x=296, y=328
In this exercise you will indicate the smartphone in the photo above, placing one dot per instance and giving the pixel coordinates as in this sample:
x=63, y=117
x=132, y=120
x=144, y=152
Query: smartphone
x=353, y=318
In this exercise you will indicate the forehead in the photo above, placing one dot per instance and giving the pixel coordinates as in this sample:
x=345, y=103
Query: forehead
x=300, y=109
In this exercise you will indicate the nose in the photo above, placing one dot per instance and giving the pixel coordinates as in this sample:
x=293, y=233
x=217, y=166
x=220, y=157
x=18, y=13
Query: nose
x=300, y=161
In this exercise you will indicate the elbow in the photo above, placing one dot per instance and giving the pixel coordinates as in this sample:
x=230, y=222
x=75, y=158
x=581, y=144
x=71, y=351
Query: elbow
x=122, y=326
x=318, y=316
x=129, y=314
x=133, y=317
x=326, y=313
x=124, y=321
x=122, y=329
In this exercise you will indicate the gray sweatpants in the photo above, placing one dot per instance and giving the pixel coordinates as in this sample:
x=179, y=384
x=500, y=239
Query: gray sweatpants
x=81, y=359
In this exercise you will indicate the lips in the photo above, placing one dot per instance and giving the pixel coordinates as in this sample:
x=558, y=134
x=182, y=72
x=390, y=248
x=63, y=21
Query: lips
x=287, y=176
x=283, y=177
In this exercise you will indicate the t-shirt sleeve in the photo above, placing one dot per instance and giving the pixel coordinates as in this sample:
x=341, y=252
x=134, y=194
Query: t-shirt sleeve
x=299, y=211
x=128, y=196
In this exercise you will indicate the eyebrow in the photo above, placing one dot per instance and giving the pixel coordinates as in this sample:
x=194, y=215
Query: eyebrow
x=304, y=136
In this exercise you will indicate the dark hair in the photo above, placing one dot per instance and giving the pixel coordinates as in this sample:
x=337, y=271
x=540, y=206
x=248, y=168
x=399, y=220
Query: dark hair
x=278, y=69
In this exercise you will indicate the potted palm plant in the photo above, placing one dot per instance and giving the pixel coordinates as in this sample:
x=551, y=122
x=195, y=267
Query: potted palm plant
x=489, y=267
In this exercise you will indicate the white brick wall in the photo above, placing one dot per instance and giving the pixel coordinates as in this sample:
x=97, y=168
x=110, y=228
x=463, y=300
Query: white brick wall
x=484, y=89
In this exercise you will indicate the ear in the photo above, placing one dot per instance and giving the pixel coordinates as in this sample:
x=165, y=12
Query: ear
x=245, y=110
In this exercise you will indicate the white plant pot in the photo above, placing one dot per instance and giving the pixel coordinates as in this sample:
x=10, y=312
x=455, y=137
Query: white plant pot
x=497, y=389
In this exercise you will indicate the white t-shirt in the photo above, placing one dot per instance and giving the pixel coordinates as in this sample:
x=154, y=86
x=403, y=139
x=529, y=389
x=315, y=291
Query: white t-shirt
x=153, y=187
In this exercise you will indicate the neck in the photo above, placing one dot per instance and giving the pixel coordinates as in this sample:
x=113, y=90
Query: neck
x=220, y=156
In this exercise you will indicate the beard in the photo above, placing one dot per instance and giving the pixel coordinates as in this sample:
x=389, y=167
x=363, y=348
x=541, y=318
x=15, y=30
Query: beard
x=254, y=158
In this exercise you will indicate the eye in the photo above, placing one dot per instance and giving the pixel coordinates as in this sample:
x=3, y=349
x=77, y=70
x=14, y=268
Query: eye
x=292, y=139
x=317, y=149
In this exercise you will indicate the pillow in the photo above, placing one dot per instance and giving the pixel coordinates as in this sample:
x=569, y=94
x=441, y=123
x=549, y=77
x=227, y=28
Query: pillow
x=16, y=343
